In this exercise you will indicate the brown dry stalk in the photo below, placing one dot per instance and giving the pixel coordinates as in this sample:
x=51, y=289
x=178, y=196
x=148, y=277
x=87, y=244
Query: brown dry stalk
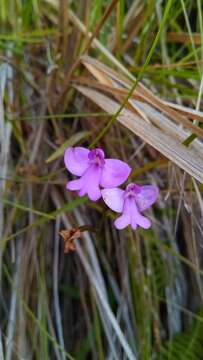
x=184, y=38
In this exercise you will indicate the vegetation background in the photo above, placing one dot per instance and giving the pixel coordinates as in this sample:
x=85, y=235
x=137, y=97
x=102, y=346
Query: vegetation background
x=119, y=295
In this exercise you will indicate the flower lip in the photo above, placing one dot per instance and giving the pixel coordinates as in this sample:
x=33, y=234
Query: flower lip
x=96, y=156
x=132, y=190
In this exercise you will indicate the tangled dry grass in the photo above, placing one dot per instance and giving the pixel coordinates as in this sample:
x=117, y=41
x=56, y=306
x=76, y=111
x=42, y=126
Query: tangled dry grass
x=127, y=76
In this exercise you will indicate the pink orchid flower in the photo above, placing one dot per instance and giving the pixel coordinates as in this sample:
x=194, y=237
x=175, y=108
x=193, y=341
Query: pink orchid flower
x=130, y=202
x=94, y=171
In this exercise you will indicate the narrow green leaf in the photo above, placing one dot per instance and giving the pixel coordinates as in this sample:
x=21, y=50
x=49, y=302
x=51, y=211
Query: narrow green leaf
x=70, y=142
x=25, y=208
x=67, y=207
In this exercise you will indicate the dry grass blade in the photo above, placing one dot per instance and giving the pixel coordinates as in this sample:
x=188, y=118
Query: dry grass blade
x=1, y=347
x=93, y=270
x=106, y=75
x=106, y=307
x=5, y=133
x=192, y=113
x=146, y=111
x=184, y=38
x=186, y=158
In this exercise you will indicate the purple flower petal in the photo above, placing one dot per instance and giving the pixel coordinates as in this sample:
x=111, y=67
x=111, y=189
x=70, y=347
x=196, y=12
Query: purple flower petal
x=114, y=173
x=82, y=192
x=147, y=196
x=122, y=221
x=74, y=184
x=142, y=221
x=88, y=183
x=130, y=207
x=113, y=198
x=76, y=160
x=133, y=224
x=92, y=183
x=94, y=194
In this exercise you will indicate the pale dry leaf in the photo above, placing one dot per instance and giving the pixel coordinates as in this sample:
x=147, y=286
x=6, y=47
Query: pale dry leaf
x=186, y=158
x=101, y=72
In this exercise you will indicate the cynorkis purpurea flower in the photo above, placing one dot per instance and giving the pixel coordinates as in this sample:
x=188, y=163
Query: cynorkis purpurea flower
x=131, y=203
x=95, y=171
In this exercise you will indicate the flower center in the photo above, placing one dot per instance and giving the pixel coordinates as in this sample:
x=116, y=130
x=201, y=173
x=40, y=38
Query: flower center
x=132, y=190
x=96, y=156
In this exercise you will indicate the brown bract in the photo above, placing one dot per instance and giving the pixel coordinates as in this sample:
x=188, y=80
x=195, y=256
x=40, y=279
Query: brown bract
x=69, y=236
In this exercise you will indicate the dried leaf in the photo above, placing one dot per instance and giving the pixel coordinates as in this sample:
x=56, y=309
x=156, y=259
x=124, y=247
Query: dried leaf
x=69, y=236
x=186, y=158
x=104, y=75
